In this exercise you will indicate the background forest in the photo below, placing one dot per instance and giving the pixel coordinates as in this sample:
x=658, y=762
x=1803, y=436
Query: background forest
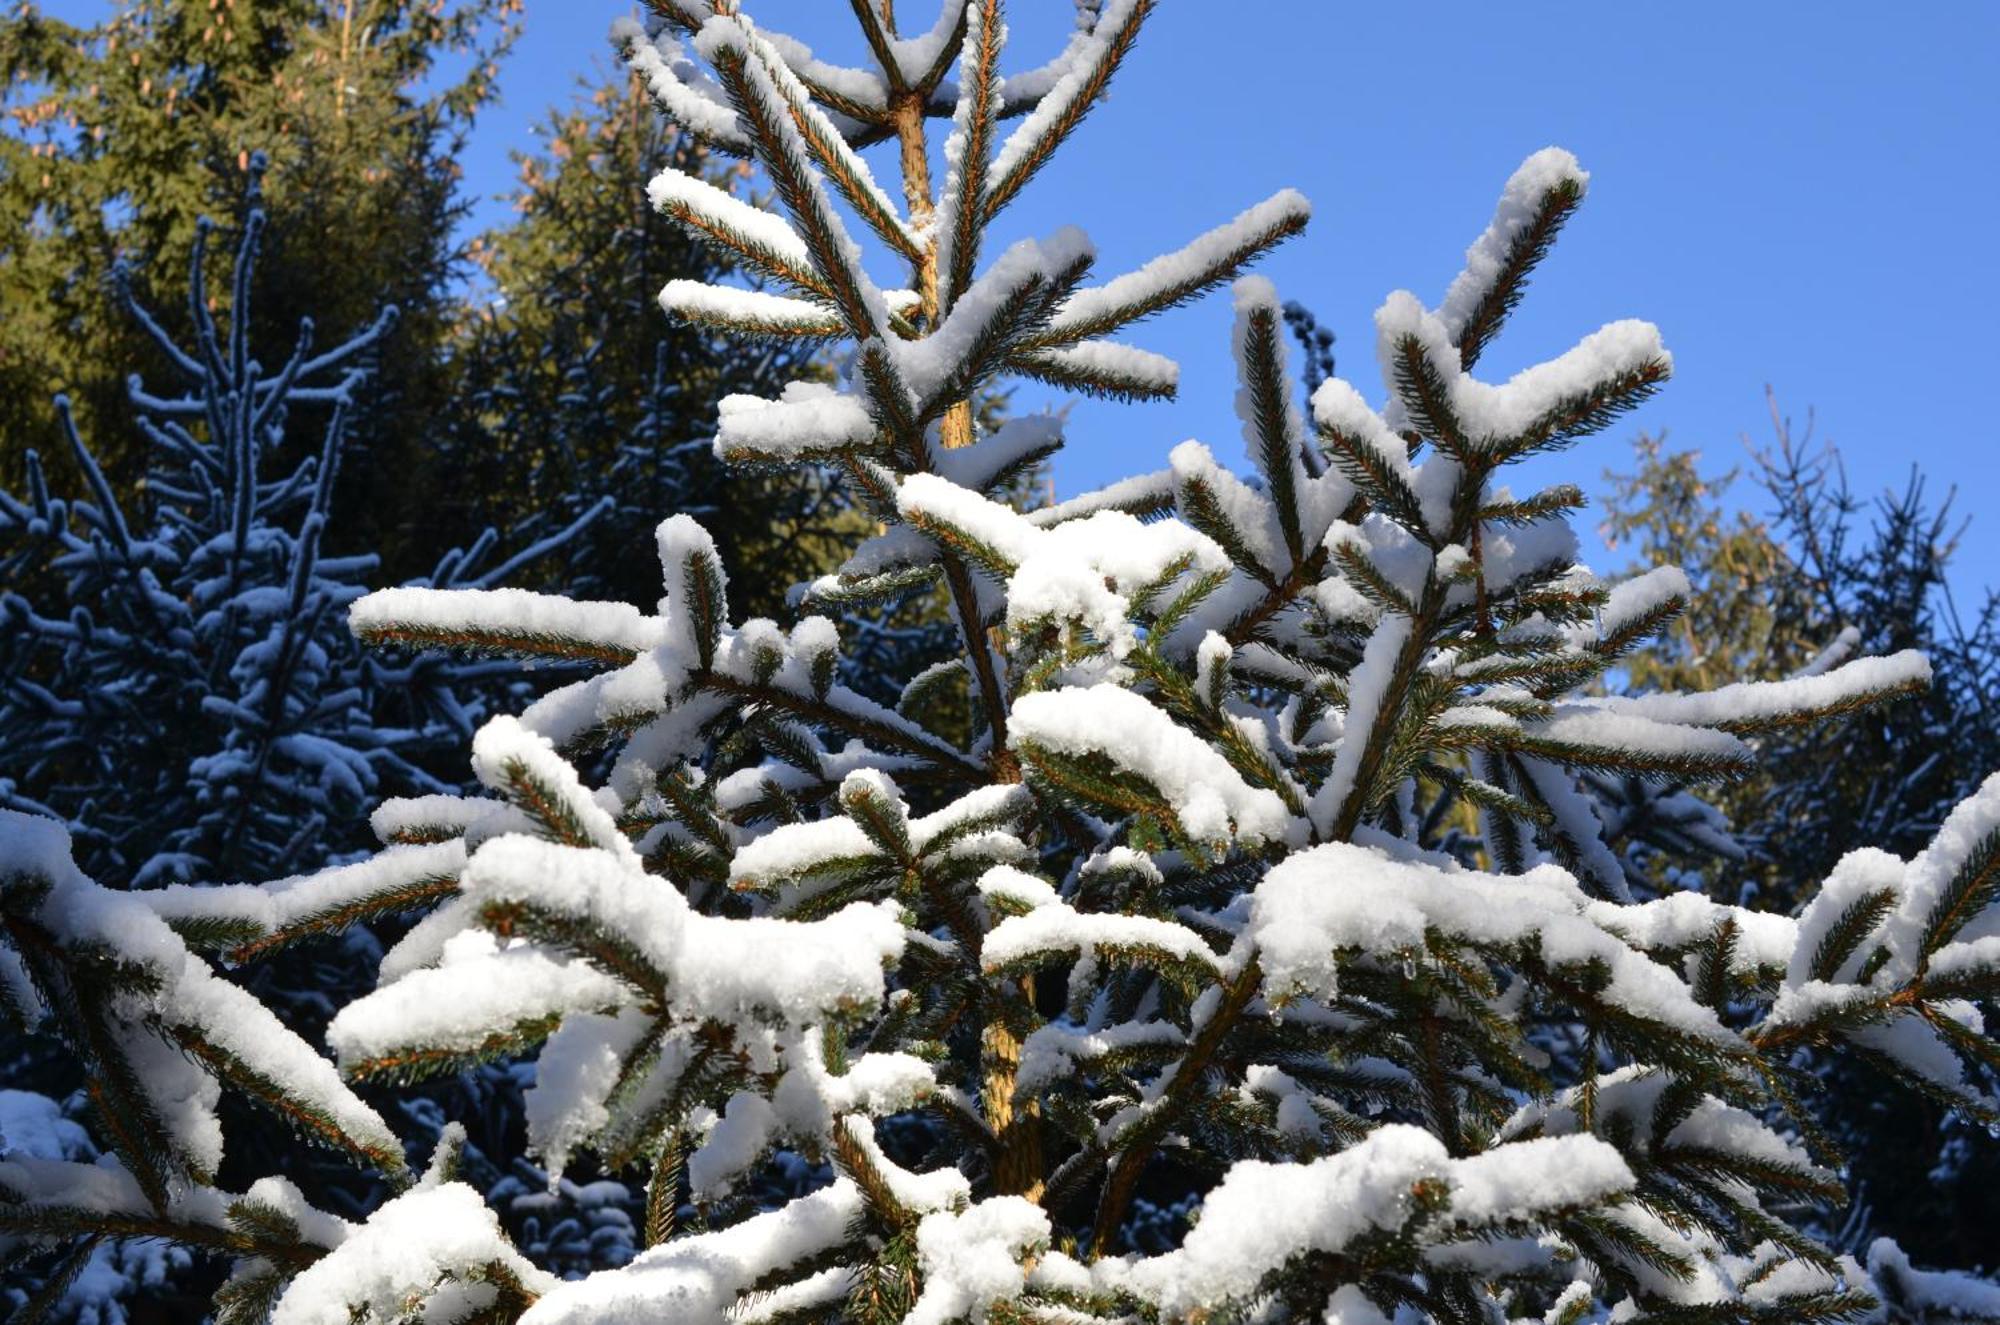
x=251, y=342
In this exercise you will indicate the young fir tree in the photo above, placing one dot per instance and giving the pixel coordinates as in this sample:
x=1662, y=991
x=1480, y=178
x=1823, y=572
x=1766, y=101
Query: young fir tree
x=1166, y=919
x=183, y=690
x=188, y=697
x=116, y=138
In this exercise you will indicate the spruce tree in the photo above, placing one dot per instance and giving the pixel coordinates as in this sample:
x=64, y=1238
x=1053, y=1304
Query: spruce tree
x=177, y=682
x=117, y=138
x=1264, y=882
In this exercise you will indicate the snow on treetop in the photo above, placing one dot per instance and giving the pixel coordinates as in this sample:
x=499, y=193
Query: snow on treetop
x=1491, y=414
x=1520, y=202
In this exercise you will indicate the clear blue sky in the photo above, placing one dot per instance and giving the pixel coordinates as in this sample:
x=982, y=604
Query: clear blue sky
x=1799, y=194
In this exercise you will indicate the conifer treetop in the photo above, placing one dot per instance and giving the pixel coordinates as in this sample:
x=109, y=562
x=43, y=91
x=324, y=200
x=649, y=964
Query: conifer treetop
x=1265, y=875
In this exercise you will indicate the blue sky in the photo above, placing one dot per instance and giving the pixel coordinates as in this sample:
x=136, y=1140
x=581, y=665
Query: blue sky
x=1800, y=195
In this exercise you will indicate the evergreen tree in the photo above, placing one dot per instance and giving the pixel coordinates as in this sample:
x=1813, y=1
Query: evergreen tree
x=120, y=137
x=1167, y=920
x=189, y=701
x=1826, y=576
x=571, y=391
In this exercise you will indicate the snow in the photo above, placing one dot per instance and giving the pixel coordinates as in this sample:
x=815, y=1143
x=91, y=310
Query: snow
x=792, y=969
x=424, y=944
x=502, y=615
x=695, y=968
x=1088, y=570
x=1941, y=1291
x=1632, y=600
x=1296, y=1118
x=1052, y=1052
x=1080, y=571
x=101, y=1188
x=976, y=319
x=935, y=500
x=1173, y=276
x=688, y=97
x=1520, y=200
x=1054, y=929
x=1338, y=408
x=1968, y=828
x=1065, y=93
x=808, y=1098
x=1748, y=704
x=1344, y=897
x=183, y=1095
x=33, y=1127
x=860, y=86
x=1263, y=1215
x=1350, y=1306
x=574, y=1075
x=401, y=1253
x=971, y=1258
x=765, y=236
x=1606, y=725
x=938, y=1190
x=1256, y=299
x=1020, y=439
x=1524, y=1179
x=790, y=850
x=1493, y=416
x=712, y=966
x=1123, y=367
x=1725, y=1129
x=812, y=419
x=1030, y=85
x=1249, y=513
x=1367, y=686
x=1764, y=940
x=747, y=311
x=783, y=105
x=480, y=990
x=426, y=818
x=514, y=760
x=326, y=895
x=1142, y=492
x=992, y=804
x=1835, y=653
x=1577, y=819
x=699, y=1278
x=1210, y=799
x=916, y=56
x=1015, y=889
x=1856, y=875
x=188, y=998
x=737, y=1140
x=1916, y=1047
